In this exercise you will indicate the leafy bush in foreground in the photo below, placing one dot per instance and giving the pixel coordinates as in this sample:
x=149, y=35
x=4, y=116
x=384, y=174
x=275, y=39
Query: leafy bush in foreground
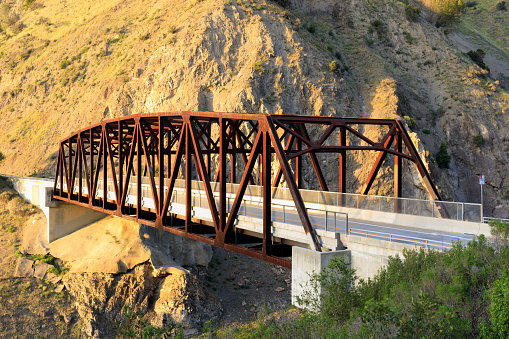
x=459, y=293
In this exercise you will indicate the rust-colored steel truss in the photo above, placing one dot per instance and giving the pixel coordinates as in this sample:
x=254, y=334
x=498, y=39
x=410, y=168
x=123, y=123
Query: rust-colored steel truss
x=215, y=147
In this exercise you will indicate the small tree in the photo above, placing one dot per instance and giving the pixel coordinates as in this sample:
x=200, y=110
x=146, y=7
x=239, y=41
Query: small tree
x=443, y=12
x=412, y=13
x=479, y=140
x=443, y=158
x=2, y=157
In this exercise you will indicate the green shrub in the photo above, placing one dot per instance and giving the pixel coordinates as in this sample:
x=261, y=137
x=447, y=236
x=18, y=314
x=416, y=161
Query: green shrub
x=259, y=66
x=410, y=122
x=479, y=140
x=311, y=27
x=426, y=131
x=57, y=270
x=500, y=230
x=444, y=12
x=499, y=307
x=439, y=111
x=27, y=3
x=412, y=13
x=331, y=291
x=133, y=325
x=334, y=66
x=378, y=26
x=408, y=37
x=443, y=158
x=44, y=258
x=2, y=157
x=64, y=63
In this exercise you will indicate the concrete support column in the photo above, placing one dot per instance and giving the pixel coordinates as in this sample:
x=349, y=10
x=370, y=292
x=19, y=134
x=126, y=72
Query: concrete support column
x=305, y=262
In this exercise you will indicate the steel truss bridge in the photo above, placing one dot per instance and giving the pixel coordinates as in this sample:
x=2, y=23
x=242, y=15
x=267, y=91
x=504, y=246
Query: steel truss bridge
x=132, y=166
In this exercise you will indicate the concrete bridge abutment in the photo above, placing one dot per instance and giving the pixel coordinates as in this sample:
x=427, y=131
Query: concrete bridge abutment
x=367, y=256
x=63, y=218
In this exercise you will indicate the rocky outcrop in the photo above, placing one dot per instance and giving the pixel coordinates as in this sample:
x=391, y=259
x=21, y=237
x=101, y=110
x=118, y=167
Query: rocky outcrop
x=116, y=245
x=114, y=263
x=177, y=296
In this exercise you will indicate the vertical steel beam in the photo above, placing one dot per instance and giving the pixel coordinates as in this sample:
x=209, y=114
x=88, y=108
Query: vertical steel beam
x=267, y=187
x=92, y=172
x=120, y=167
x=233, y=165
x=139, y=193
x=223, y=147
x=188, y=223
x=398, y=172
x=342, y=164
x=160, y=161
x=80, y=168
x=105, y=166
x=298, y=165
x=71, y=170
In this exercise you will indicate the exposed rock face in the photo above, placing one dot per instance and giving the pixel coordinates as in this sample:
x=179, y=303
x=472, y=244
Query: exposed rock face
x=116, y=262
x=177, y=297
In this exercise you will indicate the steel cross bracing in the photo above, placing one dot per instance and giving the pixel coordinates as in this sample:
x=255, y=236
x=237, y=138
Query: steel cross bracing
x=216, y=147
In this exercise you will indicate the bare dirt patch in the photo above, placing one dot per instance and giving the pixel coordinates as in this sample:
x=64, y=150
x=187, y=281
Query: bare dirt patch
x=246, y=287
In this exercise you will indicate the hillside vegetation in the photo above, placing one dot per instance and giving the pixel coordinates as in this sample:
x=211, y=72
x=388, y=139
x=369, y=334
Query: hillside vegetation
x=461, y=293
x=67, y=64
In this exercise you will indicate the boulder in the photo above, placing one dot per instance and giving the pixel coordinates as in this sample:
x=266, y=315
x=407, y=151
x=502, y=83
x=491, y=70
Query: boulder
x=41, y=269
x=24, y=268
x=116, y=245
x=35, y=235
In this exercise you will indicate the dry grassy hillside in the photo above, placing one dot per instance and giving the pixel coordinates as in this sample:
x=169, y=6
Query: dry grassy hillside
x=66, y=64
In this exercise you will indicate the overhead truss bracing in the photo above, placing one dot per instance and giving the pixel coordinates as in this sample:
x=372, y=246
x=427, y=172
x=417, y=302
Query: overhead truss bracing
x=220, y=148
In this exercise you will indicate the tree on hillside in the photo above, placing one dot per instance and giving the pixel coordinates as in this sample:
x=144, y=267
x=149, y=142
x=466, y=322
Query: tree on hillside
x=443, y=12
x=2, y=157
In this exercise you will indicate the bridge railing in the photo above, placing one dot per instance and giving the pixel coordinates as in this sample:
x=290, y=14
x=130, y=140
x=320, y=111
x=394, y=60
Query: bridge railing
x=443, y=243
x=421, y=207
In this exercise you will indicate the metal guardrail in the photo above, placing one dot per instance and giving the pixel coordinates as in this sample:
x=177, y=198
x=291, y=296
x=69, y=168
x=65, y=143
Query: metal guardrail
x=427, y=243
x=486, y=220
